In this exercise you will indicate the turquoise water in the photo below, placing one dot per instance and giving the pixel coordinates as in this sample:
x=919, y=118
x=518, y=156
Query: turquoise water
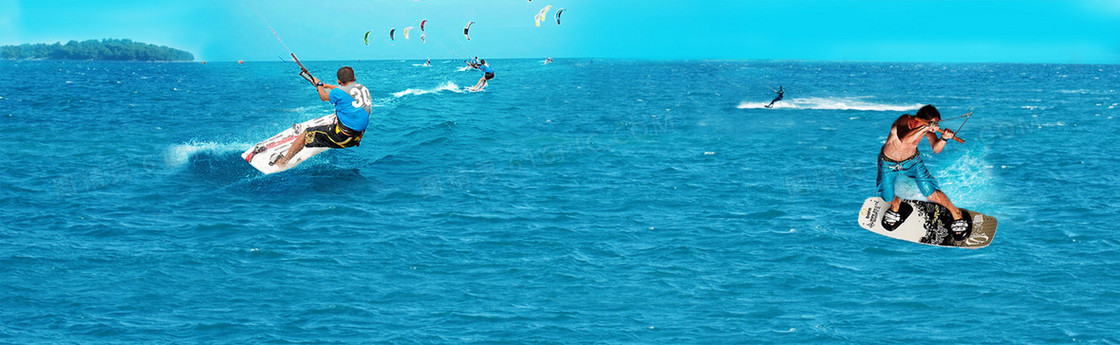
x=584, y=201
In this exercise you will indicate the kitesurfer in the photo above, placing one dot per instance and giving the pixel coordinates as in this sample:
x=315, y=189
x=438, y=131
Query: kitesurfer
x=352, y=104
x=780, y=93
x=899, y=156
x=487, y=74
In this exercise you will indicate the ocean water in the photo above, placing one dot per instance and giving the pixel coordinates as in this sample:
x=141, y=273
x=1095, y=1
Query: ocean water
x=584, y=201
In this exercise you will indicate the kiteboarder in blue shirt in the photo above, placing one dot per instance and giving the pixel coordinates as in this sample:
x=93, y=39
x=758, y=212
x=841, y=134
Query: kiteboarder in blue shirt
x=487, y=74
x=352, y=105
x=780, y=93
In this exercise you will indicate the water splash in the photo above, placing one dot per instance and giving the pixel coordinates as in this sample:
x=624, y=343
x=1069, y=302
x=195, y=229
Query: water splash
x=180, y=154
x=446, y=86
x=967, y=179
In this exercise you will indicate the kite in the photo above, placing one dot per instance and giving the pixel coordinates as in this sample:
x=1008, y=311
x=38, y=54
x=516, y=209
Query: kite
x=542, y=15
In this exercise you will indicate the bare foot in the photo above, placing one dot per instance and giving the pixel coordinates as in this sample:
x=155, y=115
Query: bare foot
x=278, y=160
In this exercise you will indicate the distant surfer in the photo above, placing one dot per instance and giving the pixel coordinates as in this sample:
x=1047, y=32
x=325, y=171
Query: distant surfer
x=780, y=93
x=352, y=106
x=428, y=62
x=487, y=74
x=899, y=156
x=548, y=60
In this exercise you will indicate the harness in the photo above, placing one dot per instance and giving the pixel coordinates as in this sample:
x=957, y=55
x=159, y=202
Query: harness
x=349, y=133
x=340, y=128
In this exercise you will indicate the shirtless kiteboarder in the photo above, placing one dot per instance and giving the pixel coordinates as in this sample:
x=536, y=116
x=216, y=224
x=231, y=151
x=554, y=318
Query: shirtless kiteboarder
x=899, y=156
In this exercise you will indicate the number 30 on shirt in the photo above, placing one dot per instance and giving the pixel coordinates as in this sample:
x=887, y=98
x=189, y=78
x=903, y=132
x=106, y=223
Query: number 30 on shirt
x=361, y=97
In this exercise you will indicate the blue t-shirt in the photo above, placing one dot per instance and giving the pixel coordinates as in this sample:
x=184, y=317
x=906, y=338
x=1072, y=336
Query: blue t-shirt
x=485, y=69
x=352, y=105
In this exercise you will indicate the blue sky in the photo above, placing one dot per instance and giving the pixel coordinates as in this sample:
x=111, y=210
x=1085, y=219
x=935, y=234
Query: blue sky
x=1074, y=31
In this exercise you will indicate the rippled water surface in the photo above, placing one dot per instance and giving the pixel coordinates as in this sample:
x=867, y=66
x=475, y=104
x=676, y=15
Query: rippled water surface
x=584, y=201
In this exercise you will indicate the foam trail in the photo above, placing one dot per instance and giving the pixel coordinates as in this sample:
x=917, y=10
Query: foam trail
x=831, y=103
x=465, y=68
x=179, y=155
x=446, y=86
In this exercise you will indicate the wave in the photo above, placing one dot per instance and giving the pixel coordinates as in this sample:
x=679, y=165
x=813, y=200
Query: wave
x=181, y=154
x=302, y=109
x=464, y=68
x=831, y=103
x=446, y=86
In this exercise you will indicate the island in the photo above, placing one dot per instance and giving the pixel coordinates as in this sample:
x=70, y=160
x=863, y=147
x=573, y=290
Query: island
x=106, y=49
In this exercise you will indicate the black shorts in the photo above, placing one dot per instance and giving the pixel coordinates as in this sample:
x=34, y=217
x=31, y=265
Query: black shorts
x=332, y=136
x=489, y=76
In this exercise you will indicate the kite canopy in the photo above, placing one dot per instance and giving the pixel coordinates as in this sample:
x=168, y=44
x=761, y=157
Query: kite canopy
x=542, y=15
x=391, y=32
x=467, y=30
x=422, y=22
x=406, y=30
x=558, y=16
x=367, y=37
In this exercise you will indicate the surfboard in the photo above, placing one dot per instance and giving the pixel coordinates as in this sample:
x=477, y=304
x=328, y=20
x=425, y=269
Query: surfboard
x=927, y=223
x=263, y=153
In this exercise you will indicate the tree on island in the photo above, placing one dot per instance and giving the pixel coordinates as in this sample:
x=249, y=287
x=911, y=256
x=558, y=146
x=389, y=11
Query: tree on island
x=106, y=49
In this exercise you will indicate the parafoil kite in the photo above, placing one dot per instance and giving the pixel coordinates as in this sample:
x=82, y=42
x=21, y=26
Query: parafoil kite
x=406, y=30
x=467, y=30
x=422, y=37
x=558, y=16
x=542, y=15
x=391, y=32
x=367, y=37
x=422, y=22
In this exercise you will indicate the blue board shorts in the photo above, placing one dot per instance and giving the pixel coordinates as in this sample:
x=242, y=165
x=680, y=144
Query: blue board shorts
x=912, y=167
